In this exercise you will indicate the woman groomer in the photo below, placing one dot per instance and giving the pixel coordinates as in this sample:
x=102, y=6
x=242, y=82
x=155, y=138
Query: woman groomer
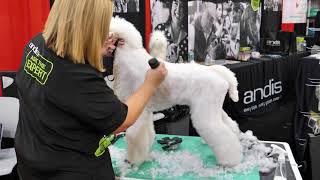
x=65, y=105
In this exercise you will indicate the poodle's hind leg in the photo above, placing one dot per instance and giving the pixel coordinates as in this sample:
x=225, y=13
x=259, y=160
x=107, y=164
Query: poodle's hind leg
x=224, y=143
x=140, y=137
x=233, y=125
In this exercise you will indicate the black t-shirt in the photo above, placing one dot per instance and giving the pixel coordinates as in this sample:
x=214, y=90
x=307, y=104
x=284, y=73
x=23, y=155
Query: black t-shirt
x=65, y=109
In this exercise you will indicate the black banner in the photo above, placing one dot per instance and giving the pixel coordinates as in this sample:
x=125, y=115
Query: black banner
x=217, y=29
x=264, y=83
x=266, y=97
x=260, y=86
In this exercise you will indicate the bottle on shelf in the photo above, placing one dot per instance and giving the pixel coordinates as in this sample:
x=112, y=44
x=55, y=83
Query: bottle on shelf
x=191, y=56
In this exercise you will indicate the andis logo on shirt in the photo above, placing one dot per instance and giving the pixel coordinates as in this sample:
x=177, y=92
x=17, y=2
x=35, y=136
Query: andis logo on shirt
x=270, y=89
x=34, y=49
x=37, y=66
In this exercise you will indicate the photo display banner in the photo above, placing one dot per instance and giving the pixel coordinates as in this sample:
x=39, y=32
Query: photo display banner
x=207, y=30
x=222, y=27
x=217, y=28
x=132, y=11
x=170, y=16
x=271, y=19
x=126, y=6
x=294, y=11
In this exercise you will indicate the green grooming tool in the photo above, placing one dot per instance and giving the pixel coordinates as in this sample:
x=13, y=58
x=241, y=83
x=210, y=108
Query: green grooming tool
x=104, y=143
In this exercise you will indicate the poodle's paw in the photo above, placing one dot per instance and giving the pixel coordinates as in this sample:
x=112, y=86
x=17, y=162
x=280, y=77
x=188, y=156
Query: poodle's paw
x=229, y=153
x=137, y=159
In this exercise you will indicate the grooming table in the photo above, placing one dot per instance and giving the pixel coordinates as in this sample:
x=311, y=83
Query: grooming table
x=195, y=146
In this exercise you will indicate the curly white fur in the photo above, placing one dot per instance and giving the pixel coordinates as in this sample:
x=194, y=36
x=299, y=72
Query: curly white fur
x=203, y=88
x=158, y=45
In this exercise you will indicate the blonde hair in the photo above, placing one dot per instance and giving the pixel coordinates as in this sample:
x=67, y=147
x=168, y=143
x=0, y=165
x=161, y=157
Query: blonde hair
x=77, y=29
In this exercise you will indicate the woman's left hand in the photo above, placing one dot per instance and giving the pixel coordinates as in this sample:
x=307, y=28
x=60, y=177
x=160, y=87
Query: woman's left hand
x=110, y=44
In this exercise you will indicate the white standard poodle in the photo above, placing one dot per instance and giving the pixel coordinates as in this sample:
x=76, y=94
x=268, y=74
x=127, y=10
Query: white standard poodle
x=202, y=88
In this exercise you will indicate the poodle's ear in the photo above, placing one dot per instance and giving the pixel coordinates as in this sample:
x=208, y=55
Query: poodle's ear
x=126, y=31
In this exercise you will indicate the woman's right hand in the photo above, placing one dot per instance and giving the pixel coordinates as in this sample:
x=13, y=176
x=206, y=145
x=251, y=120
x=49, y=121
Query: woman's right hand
x=154, y=77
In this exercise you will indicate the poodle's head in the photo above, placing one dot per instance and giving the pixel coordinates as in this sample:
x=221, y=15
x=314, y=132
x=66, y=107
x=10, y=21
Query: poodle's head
x=127, y=32
x=158, y=40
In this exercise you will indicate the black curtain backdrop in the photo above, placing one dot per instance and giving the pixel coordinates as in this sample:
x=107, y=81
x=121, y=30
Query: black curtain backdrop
x=308, y=73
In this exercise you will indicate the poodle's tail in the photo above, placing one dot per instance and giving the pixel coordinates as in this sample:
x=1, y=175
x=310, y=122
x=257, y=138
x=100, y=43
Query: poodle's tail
x=232, y=80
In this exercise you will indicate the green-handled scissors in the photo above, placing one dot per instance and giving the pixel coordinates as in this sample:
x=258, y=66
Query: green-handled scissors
x=104, y=142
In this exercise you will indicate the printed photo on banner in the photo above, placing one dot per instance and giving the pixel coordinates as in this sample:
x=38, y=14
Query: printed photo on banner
x=272, y=5
x=294, y=11
x=125, y=6
x=220, y=28
x=170, y=16
x=250, y=24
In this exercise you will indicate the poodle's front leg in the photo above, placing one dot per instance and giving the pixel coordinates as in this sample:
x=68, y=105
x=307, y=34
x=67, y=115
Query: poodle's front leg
x=140, y=137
